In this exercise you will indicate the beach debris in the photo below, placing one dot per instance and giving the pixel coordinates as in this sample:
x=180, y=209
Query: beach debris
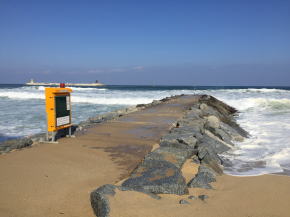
x=191, y=197
x=182, y=201
x=203, y=197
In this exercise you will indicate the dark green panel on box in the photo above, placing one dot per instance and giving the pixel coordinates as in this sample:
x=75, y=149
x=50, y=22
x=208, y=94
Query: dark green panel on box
x=61, y=107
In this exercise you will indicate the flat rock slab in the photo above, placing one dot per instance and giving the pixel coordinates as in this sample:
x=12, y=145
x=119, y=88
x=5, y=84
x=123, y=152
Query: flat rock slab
x=157, y=176
x=56, y=179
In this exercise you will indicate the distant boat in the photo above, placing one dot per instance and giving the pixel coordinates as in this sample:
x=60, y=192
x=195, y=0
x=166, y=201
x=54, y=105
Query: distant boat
x=33, y=83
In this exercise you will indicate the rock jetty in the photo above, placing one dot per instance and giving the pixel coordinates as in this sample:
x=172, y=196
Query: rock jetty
x=207, y=129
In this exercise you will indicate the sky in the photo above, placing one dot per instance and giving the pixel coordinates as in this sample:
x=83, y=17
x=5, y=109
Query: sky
x=202, y=42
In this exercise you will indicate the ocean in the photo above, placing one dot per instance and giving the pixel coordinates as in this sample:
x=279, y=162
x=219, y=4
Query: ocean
x=264, y=113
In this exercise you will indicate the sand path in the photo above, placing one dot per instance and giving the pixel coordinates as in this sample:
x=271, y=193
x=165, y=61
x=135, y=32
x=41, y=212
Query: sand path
x=50, y=180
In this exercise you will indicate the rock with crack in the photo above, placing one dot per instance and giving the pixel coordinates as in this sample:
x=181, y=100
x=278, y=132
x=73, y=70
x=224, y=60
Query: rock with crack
x=215, y=143
x=179, y=139
x=176, y=156
x=157, y=176
x=203, y=178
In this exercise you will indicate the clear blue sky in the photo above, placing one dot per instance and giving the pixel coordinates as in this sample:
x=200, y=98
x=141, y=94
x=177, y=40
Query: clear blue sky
x=218, y=42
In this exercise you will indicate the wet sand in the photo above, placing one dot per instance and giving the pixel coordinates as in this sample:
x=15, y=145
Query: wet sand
x=52, y=180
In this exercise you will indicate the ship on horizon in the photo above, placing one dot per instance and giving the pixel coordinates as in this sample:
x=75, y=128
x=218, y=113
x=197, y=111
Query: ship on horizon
x=33, y=83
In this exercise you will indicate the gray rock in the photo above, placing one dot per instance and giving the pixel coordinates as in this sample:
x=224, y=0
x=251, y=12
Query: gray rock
x=170, y=138
x=203, y=107
x=179, y=139
x=207, y=153
x=203, y=197
x=215, y=166
x=176, y=156
x=191, y=197
x=190, y=126
x=195, y=159
x=188, y=140
x=182, y=201
x=224, y=112
x=226, y=162
x=212, y=122
x=221, y=134
x=193, y=114
x=196, y=130
x=157, y=177
x=236, y=136
x=218, y=105
x=204, y=176
x=215, y=144
x=12, y=144
x=99, y=200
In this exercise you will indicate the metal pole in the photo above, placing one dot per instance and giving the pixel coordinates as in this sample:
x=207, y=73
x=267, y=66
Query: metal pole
x=53, y=136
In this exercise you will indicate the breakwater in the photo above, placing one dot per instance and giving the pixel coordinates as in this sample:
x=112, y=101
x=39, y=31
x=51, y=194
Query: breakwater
x=207, y=129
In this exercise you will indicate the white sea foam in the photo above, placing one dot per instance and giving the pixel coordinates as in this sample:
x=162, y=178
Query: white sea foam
x=25, y=95
x=111, y=101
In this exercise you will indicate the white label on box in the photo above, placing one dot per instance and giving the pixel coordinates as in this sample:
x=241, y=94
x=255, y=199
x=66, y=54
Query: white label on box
x=62, y=121
x=67, y=103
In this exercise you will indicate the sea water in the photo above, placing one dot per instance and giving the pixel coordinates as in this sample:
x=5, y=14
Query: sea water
x=264, y=113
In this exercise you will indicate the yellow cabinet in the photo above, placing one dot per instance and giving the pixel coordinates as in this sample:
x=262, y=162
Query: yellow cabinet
x=58, y=108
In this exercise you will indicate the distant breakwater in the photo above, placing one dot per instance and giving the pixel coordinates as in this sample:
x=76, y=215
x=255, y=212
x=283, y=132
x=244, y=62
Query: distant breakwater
x=207, y=129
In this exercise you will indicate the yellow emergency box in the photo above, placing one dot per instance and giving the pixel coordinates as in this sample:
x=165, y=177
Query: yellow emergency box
x=58, y=109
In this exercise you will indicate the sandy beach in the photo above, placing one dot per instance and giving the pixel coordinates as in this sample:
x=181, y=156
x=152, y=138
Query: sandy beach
x=56, y=179
x=257, y=196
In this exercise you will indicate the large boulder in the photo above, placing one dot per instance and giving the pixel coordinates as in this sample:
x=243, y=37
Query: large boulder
x=203, y=178
x=100, y=200
x=194, y=129
x=179, y=139
x=233, y=133
x=225, y=112
x=212, y=122
x=176, y=156
x=215, y=143
x=193, y=114
x=157, y=176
